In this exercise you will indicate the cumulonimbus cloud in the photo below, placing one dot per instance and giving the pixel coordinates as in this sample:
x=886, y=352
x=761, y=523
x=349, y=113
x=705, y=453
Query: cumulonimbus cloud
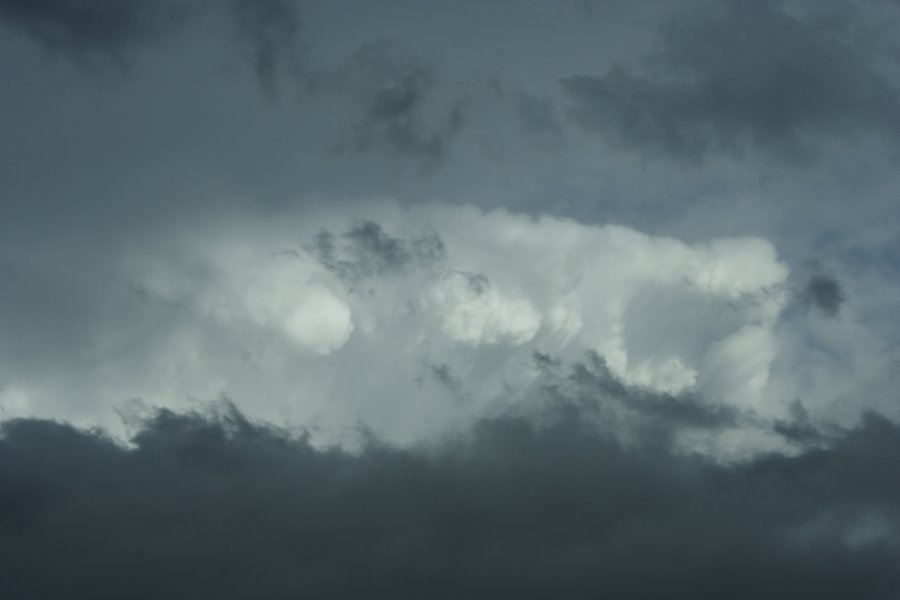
x=296, y=303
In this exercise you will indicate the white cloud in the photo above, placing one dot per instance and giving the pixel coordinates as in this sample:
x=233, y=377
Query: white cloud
x=737, y=367
x=245, y=311
x=14, y=402
x=668, y=375
x=653, y=307
x=245, y=282
x=319, y=321
x=483, y=316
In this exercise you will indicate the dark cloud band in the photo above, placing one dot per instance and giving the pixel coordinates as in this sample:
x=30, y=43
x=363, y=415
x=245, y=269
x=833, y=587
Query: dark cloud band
x=216, y=506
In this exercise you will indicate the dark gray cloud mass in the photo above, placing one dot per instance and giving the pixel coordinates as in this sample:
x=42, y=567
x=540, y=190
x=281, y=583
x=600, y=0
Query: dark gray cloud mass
x=216, y=506
x=736, y=75
x=629, y=412
x=93, y=31
x=396, y=104
x=444, y=379
x=368, y=251
x=800, y=429
x=271, y=32
x=823, y=292
x=82, y=30
x=443, y=375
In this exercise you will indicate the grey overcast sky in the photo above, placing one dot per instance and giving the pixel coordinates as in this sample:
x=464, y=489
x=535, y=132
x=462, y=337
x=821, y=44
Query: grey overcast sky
x=438, y=299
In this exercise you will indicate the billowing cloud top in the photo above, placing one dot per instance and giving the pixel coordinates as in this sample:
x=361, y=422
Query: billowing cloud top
x=284, y=311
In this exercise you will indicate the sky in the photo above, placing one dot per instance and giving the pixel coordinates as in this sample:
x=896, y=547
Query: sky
x=437, y=299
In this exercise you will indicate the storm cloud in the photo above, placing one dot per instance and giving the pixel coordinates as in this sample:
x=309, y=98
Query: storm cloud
x=397, y=107
x=95, y=32
x=738, y=75
x=824, y=293
x=513, y=299
x=215, y=505
x=83, y=30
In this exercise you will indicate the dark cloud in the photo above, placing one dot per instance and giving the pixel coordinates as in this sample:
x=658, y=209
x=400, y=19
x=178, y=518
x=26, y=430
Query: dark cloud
x=89, y=31
x=271, y=31
x=630, y=412
x=800, y=428
x=822, y=292
x=86, y=29
x=399, y=111
x=442, y=375
x=478, y=282
x=366, y=250
x=216, y=506
x=741, y=74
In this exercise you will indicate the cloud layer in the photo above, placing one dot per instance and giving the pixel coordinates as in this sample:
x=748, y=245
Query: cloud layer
x=218, y=506
x=548, y=299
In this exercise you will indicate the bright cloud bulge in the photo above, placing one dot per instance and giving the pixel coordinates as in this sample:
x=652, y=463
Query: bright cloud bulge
x=338, y=321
